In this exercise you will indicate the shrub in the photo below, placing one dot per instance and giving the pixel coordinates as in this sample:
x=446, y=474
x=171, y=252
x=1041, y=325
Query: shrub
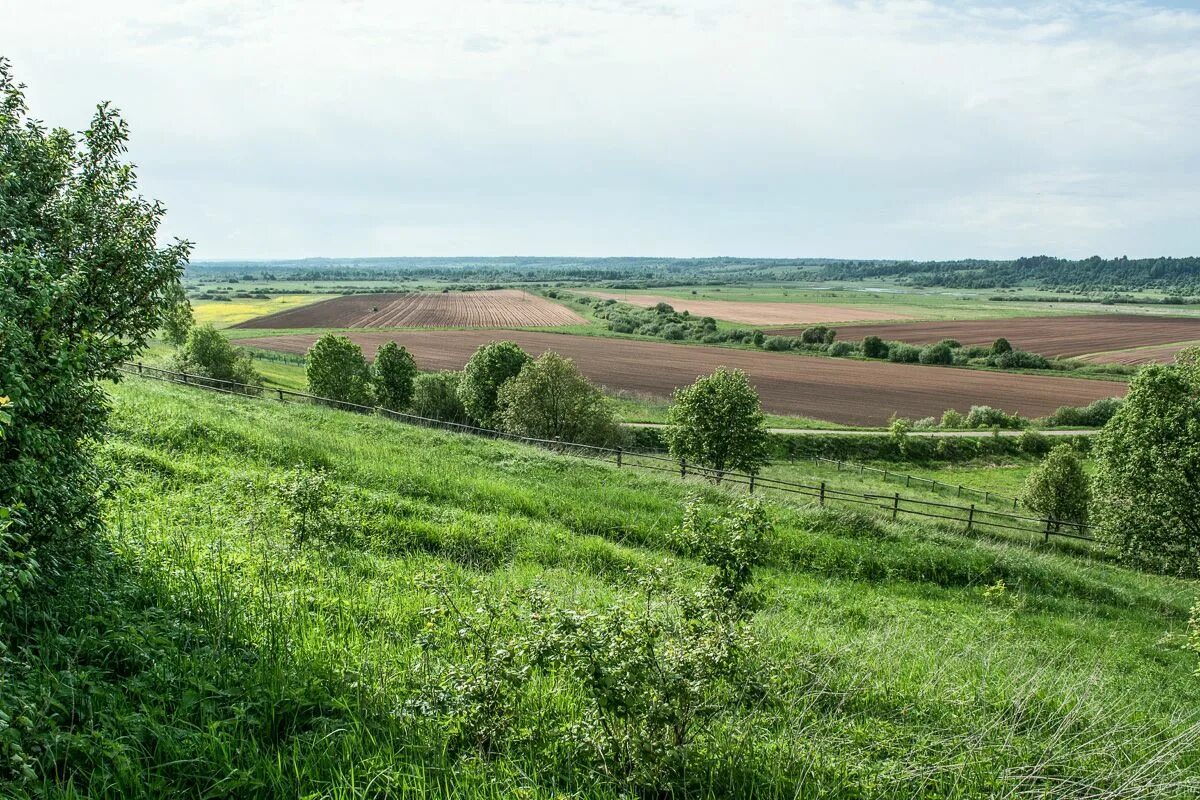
x=757, y=338
x=718, y=423
x=1094, y=414
x=1147, y=458
x=936, y=354
x=489, y=368
x=1019, y=359
x=84, y=287
x=841, y=349
x=338, y=370
x=952, y=419
x=818, y=334
x=1058, y=488
x=988, y=417
x=208, y=353
x=550, y=399
x=435, y=396
x=778, y=343
x=902, y=353
x=1034, y=443
x=874, y=347
x=1000, y=346
x=392, y=376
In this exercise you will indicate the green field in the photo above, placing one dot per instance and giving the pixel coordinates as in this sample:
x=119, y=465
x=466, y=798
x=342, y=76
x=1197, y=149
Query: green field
x=217, y=658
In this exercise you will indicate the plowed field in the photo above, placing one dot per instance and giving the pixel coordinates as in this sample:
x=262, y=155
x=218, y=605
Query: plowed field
x=1050, y=336
x=835, y=389
x=492, y=309
x=752, y=313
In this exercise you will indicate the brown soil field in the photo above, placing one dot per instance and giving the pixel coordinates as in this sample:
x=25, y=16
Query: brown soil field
x=753, y=313
x=834, y=389
x=1050, y=336
x=490, y=309
x=1143, y=355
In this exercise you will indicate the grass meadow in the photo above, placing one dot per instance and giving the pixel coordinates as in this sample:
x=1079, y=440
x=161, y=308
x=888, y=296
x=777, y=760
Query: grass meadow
x=203, y=652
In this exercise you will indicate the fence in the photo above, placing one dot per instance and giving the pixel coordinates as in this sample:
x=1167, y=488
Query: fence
x=970, y=517
x=959, y=490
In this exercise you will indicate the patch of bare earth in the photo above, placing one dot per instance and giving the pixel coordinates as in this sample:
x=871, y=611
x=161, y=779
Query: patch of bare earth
x=834, y=389
x=497, y=308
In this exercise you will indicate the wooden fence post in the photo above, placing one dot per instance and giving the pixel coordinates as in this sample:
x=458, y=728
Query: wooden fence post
x=907, y=481
x=139, y=368
x=895, y=506
x=1014, y=504
x=971, y=517
x=280, y=394
x=987, y=497
x=751, y=484
x=822, y=492
x=1047, y=537
x=618, y=457
x=960, y=488
x=682, y=468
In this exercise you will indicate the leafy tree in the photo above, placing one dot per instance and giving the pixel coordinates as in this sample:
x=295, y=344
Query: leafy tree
x=874, y=347
x=435, y=396
x=489, y=368
x=1147, y=474
x=207, y=352
x=392, y=374
x=717, y=422
x=85, y=286
x=178, y=318
x=338, y=370
x=758, y=338
x=550, y=399
x=1001, y=346
x=1058, y=487
x=936, y=354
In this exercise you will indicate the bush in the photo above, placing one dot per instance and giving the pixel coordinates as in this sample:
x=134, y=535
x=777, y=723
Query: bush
x=1019, y=359
x=1094, y=414
x=338, y=370
x=1034, y=443
x=1000, y=347
x=778, y=343
x=757, y=338
x=208, y=353
x=392, y=375
x=841, y=349
x=84, y=287
x=489, y=368
x=1147, y=459
x=952, y=419
x=936, y=354
x=988, y=417
x=550, y=399
x=718, y=423
x=902, y=353
x=435, y=396
x=874, y=347
x=1058, y=488
x=818, y=334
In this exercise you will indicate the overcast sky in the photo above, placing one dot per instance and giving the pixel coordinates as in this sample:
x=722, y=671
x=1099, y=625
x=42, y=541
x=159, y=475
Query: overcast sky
x=641, y=127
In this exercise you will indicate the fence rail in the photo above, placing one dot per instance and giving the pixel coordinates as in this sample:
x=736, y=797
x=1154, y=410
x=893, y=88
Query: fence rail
x=971, y=517
x=986, y=495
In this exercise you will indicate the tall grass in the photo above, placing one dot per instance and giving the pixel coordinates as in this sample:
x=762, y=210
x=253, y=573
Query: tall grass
x=203, y=653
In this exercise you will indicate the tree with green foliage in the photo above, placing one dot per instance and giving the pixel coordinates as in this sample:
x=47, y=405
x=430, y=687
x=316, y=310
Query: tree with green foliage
x=1147, y=476
x=718, y=423
x=338, y=370
x=435, y=396
x=489, y=368
x=178, y=317
x=550, y=399
x=208, y=353
x=85, y=286
x=392, y=375
x=1058, y=488
x=874, y=347
x=1001, y=346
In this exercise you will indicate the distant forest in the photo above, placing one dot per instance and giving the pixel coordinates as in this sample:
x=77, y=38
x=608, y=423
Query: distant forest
x=1171, y=275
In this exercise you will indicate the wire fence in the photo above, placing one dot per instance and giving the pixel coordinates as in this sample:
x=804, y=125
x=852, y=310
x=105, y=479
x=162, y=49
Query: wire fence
x=958, y=490
x=969, y=517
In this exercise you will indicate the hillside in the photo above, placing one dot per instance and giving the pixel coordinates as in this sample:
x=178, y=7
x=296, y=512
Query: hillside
x=204, y=653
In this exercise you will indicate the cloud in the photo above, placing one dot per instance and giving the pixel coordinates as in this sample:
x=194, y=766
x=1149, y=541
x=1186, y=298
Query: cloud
x=678, y=127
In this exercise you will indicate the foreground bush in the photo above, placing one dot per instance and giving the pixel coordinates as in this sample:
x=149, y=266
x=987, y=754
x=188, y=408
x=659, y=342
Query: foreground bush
x=84, y=286
x=338, y=370
x=718, y=423
x=435, y=396
x=208, y=353
x=550, y=399
x=489, y=368
x=1147, y=459
x=392, y=376
x=1058, y=488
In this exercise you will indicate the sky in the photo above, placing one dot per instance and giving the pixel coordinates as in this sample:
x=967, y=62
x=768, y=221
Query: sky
x=757, y=128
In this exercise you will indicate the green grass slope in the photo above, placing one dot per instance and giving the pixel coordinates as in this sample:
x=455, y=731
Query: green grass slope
x=201, y=654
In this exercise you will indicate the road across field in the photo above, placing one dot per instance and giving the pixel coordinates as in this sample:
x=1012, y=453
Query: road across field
x=834, y=389
x=488, y=309
x=1050, y=336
